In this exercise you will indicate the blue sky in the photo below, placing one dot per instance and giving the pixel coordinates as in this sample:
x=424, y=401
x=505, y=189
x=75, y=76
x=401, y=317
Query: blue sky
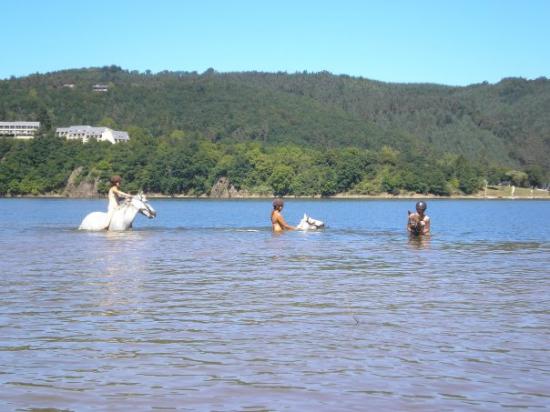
x=449, y=42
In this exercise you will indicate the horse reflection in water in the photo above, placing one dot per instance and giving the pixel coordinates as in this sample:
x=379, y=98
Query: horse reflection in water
x=122, y=217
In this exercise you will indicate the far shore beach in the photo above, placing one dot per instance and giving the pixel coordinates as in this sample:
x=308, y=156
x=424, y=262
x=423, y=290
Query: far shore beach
x=520, y=194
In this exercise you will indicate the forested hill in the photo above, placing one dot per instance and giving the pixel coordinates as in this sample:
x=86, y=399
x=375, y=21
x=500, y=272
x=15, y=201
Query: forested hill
x=507, y=123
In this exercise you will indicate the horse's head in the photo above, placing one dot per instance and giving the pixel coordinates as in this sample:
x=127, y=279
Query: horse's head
x=414, y=223
x=139, y=201
x=308, y=223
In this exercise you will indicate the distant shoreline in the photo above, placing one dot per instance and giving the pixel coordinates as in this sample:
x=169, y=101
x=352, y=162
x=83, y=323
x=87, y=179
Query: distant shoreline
x=384, y=196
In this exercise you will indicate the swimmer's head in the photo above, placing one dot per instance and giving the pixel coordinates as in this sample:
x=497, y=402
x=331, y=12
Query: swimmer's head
x=421, y=206
x=278, y=203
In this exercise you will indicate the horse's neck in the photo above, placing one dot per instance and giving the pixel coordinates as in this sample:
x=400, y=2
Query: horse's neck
x=125, y=215
x=130, y=213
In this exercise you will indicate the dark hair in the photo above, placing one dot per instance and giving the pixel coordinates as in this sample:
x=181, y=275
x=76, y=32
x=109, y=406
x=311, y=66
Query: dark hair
x=278, y=203
x=421, y=205
x=115, y=179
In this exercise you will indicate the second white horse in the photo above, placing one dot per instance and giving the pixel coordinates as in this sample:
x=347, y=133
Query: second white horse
x=308, y=223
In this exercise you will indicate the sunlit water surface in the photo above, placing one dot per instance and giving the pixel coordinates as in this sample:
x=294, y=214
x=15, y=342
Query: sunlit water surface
x=203, y=308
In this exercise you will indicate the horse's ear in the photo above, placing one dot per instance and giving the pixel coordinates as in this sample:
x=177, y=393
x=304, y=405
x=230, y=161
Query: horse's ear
x=305, y=216
x=409, y=212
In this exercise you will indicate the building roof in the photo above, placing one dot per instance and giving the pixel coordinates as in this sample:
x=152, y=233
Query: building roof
x=120, y=135
x=36, y=124
x=82, y=129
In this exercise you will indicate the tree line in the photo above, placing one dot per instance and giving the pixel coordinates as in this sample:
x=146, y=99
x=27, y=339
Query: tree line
x=291, y=134
x=506, y=123
x=191, y=163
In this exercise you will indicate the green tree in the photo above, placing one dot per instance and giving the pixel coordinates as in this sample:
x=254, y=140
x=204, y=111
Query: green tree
x=536, y=176
x=518, y=178
x=281, y=180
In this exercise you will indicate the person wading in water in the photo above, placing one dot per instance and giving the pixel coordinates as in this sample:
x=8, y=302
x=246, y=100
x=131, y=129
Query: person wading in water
x=277, y=221
x=419, y=222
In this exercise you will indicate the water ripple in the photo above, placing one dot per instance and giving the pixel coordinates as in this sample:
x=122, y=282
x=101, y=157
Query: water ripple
x=213, y=318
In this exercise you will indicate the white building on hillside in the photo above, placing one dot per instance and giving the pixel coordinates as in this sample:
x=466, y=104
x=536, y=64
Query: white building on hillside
x=19, y=130
x=85, y=133
x=100, y=88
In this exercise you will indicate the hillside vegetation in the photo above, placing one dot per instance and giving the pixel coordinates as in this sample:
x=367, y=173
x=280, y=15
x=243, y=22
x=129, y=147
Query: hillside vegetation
x=300, y=134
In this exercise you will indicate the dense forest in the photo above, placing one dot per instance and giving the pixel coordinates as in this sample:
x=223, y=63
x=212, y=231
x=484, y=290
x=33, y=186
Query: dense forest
x=288, y=134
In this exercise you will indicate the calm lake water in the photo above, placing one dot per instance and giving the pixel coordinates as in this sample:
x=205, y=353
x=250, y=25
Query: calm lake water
x=204, y=309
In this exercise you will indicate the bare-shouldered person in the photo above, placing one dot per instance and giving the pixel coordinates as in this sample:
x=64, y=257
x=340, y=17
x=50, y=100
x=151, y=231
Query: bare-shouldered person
x=277, y=221
x=115, y=194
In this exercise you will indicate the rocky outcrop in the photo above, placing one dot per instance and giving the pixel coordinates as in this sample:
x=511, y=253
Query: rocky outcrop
x=78, y=186
x=223, y=189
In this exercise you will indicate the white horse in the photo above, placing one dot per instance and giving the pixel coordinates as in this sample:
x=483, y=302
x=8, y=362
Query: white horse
x=308, y=223
x=122, y=217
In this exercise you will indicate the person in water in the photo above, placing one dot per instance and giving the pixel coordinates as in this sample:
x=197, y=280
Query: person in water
x=116, y=195
x=277, y=221
x=419, y=222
